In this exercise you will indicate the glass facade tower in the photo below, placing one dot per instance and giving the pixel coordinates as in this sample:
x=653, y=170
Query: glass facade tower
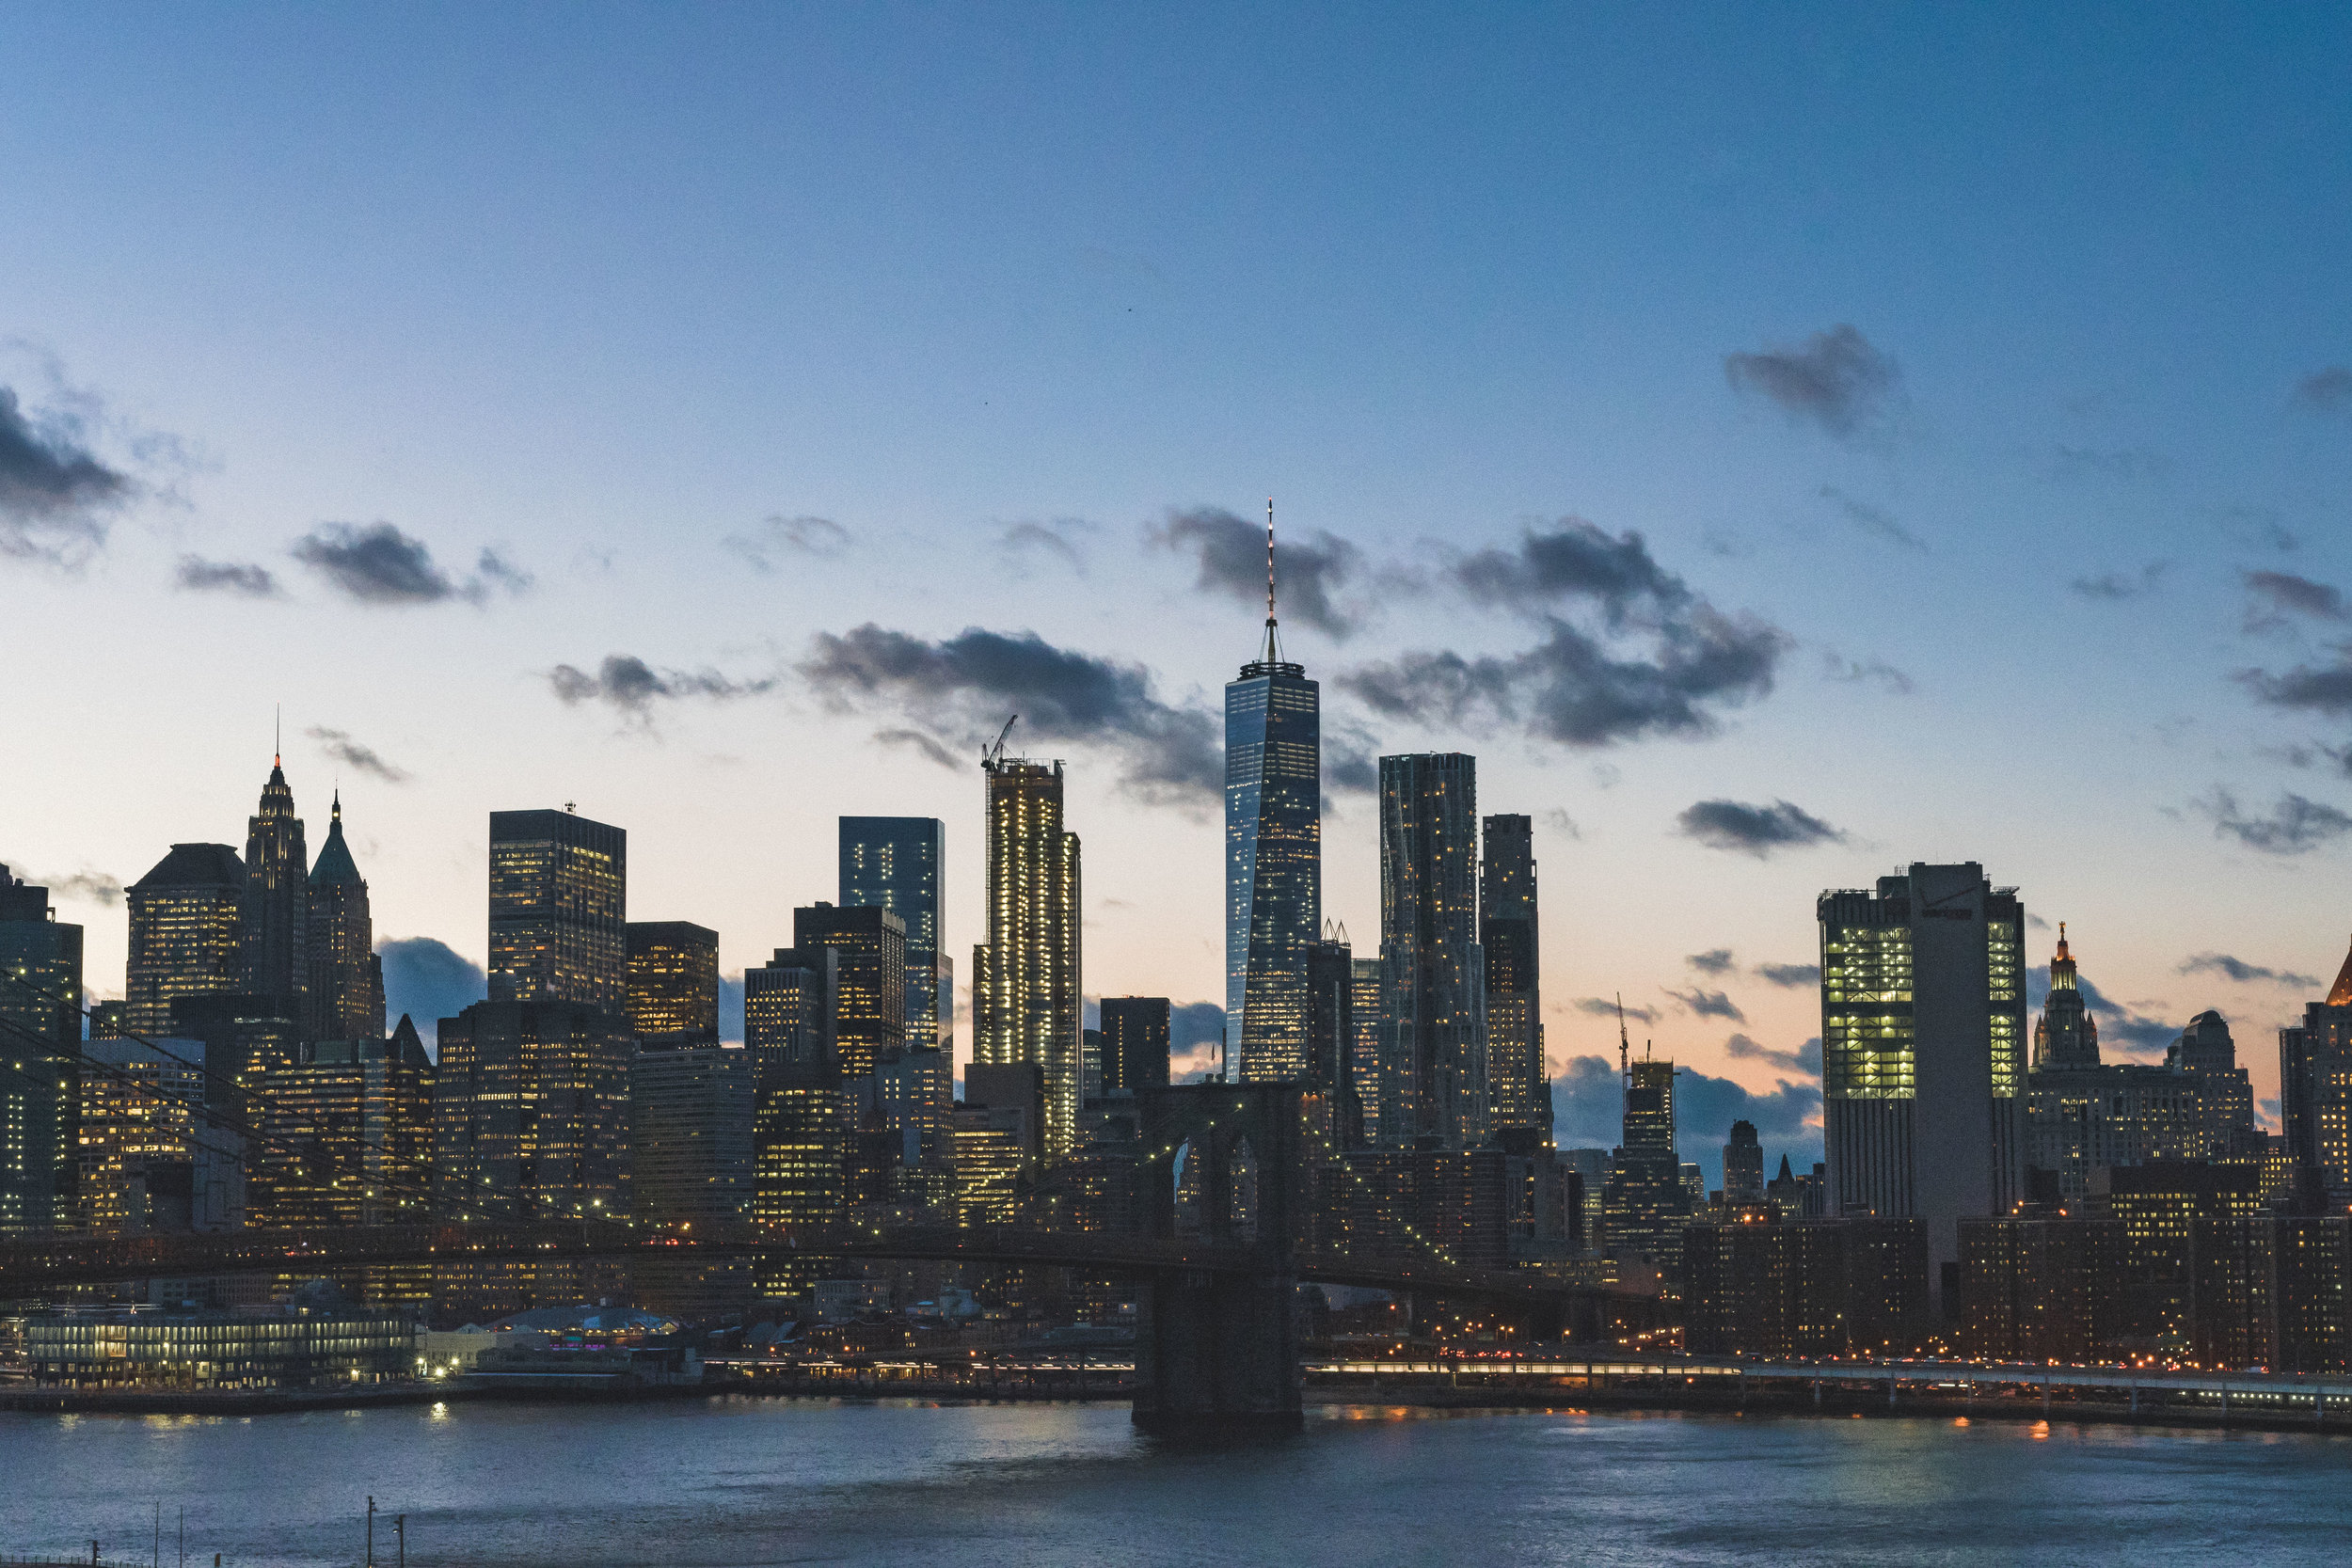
x=900, y=864
x=1273, y=855
x=558, y=910
x=673, y=982
x=1433, y=1079
x=1514, y=1013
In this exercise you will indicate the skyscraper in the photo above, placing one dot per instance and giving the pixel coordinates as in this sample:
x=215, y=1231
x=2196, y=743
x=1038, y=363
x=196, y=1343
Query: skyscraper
x=800, y=1126
x=869, y=983
x=2316, y=1096
x=1272, y=852
x=344, y=999
x=1025, y=978
x=1645, y=1200
x=1923, y=1026
x=900, y=864
x=40, y=1041
x=1514, y=1012
x=1364, y=1003
x=2065, y=1036
x=1135, y=1042
x=1743, y=1165
x=673, y=982
x=186, y=937
x=1433, y=1082
x=277, y=898
x=558, y=910
x=690, y=1141
x=1329, y=1077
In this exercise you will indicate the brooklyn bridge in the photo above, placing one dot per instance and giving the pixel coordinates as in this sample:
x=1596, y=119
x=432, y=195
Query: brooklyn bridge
x=1216, y=1340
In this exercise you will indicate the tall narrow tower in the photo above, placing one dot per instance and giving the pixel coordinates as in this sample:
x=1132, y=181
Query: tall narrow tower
x=1514, y=1016
x=1434, y=1081
x=275, y=912
x=1025, y=978
x=344, y=990
x=1272, y=852
x=2066, y=1036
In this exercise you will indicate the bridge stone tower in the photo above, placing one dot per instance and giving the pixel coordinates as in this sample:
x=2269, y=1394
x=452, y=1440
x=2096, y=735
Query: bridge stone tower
x=1218, y=1349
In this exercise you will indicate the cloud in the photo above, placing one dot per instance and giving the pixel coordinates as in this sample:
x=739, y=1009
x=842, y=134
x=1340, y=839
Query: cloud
x=1708, y=1003
x=1872, y=520
x=379, y=565
x=2271, y=596
x=1231, y=554
x=93, y=887
x=1559, y=821
x=731, y=1008
x=428, y=980
x=2114, y=588
x=959, y=688
x=2243, y=972
x=1024, y=540
x=1756, y=831
x=1605, y=1006
x=1715, y=960
x=200, y=576
x=1570, y=688
x=778, y=539
x=2325, y=689
x=631, y=686
x=2329, y=391
x=916, y=740
x=2123, y=1026
x=55, y=497
x=1834, y=378
x=2294, y=826
x=1806, y=1058
x=1193, y=1029
x=1788, y=976
x=1884, y=673
x=362, y=759
x=1351, y=764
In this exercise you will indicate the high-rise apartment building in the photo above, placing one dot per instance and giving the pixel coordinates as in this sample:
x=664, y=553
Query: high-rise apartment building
x=1026, y=977
x=1521, y=1089
x=1273, y=853
x=343, y=997
x=869, y=995
x=41, y=1041
x=277, y=901
x=801, y=1125
x=186, y=934
x=2316, y=1096
x=558, y=910
x=1329, y=1078
x=1364, y=1003
x=1923, y=1070
x=673, y=982
x=2065, y=1036
x=1135, y=1042
x=900, y=864
x=1434, y=1074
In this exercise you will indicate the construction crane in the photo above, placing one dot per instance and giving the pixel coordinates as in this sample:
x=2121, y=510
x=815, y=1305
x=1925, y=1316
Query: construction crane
x=993, y=754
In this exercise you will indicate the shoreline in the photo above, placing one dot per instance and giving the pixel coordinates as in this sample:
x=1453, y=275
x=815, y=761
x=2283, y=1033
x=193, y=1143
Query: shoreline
x=1836, y=1404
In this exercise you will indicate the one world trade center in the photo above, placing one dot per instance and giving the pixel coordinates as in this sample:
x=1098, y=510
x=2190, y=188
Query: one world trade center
x=1273, y=853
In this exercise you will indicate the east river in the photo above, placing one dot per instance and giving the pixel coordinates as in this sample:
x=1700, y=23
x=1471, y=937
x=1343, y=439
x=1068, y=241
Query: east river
x=756, y=1481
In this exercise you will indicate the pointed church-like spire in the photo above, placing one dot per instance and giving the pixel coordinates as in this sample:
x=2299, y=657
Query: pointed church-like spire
x=2339, y=994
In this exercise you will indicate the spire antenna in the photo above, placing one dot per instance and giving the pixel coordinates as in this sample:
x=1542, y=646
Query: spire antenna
x=277, y=738
x=1269, y=560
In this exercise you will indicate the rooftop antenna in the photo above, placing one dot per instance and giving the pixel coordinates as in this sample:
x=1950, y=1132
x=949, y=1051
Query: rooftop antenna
x=1273, y=649
x=1625, y=1047
x=277, y=738
x=990, y=755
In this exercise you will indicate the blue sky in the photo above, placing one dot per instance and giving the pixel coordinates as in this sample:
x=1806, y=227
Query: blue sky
x=725, y=331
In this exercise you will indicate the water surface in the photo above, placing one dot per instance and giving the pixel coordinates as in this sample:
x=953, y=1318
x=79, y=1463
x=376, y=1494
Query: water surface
x=757, y=1481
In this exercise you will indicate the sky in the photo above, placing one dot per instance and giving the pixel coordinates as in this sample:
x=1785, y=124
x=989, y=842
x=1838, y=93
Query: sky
x=1781, y=442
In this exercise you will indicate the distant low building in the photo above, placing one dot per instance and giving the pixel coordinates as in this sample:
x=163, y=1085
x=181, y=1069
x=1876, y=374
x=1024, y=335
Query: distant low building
x=112, y=1348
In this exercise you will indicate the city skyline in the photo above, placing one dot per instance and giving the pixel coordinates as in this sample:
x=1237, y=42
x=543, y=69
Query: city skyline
x=1778, y=405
